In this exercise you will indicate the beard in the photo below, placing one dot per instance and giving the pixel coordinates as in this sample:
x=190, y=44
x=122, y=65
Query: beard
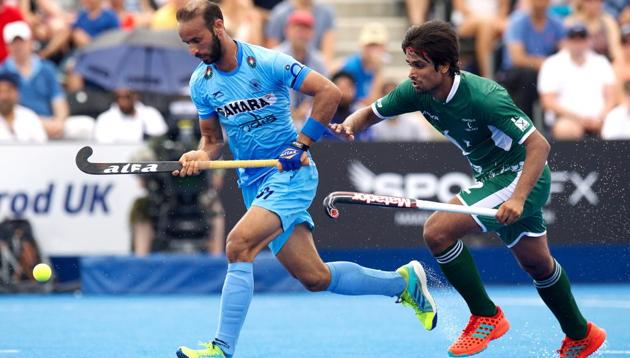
x=6, y=108
x=215, y=50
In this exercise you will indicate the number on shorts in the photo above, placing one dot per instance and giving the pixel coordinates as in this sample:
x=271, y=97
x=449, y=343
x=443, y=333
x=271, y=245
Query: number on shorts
x=266, y=192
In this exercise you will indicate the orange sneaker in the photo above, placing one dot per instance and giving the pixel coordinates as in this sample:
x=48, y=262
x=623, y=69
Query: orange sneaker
x=582, y=348
x=478, y=333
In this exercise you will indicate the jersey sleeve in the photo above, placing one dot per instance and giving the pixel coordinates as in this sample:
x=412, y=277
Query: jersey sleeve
x=197, y=95
x=500, y=112
x=287, y=70
x=398, y=101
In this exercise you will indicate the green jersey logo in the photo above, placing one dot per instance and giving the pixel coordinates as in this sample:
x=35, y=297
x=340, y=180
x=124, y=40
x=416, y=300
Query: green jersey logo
x=520, y=123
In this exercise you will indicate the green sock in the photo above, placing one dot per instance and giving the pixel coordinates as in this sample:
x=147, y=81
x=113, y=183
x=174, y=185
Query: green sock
x=459, y=268
x=556, y=292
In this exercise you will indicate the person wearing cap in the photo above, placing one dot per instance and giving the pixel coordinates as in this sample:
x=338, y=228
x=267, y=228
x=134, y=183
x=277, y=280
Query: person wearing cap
x=530, y=37
x=39, y=88
x=577, y=87
x=365, y=66
x=298, y=44
x=17, y=123
x=323, y=29
x=602, y=26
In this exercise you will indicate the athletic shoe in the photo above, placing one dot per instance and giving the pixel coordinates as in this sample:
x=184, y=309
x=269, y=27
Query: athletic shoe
x=478, y=333
x=416, y=295
x=210, y=351
x=582, y=348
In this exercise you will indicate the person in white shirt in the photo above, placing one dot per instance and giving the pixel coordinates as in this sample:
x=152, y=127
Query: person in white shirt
x=128, y=120
x=576, y=87
x=17, y=123
x=617, y=122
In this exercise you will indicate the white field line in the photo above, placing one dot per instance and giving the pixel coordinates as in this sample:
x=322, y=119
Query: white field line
x=9, y=351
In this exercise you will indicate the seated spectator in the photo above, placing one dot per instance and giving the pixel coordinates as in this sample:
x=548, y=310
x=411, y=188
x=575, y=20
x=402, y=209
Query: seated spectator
x=92, y=20
x=406, y=127
x=17, y=123
x=417, y=11
x=531, y=36
x=299, y=33
x=50, y=25
x=242, y=21
x=128, y=120
x=366, y=66
x=617, y=122
x=324, y=35
x=39, y=87
x=485, y=21
x=602, y=27
x=8, y=14
x=622, y=63
x=164, y=17
x=347, y=105
x=131, y=18
x=577, y=88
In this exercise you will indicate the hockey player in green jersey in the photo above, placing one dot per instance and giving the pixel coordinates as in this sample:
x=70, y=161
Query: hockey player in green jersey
x=508, y=157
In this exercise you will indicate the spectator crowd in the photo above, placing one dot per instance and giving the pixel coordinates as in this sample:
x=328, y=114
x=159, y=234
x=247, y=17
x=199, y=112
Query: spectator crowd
x=566, y=63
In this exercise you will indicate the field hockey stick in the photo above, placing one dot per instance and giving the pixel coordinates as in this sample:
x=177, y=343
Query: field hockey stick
x=151, y=167
x=347, y=197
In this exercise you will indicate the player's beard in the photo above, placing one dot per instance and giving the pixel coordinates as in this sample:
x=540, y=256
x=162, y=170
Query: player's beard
x=215, y=50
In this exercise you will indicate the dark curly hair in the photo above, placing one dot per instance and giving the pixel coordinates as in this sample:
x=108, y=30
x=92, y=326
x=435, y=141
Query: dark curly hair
x=438, y=41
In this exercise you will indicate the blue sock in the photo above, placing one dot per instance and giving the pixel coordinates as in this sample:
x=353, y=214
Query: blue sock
x=237, y=293
x=348, y=278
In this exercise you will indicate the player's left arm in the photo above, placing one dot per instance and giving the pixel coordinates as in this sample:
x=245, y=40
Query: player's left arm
x=500, y=112
x=326, y=97
x=537, y=149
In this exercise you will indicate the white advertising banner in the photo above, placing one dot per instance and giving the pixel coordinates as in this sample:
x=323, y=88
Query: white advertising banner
x=72, y=213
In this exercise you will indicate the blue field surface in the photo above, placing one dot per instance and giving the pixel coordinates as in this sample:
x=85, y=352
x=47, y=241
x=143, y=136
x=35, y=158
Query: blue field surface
x=292, y=325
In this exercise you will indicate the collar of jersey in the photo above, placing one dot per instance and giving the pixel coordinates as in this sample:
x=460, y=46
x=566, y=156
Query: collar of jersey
x=239, y=56
x=456, y=79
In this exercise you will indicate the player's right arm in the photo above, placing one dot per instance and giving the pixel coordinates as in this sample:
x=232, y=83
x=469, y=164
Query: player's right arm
x=210, y=147
x=398, y=101
x=355, y=123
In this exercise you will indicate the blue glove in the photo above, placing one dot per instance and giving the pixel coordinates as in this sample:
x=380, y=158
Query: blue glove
x=290, y=158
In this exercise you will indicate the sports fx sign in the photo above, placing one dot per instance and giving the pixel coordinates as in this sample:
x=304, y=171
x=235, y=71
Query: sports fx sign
x=589, y=180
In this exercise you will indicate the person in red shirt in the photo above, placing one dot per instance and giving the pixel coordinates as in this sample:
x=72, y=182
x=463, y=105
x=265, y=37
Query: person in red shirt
x=8, y=14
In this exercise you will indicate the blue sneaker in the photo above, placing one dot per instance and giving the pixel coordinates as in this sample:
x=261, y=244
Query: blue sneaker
x=416, y=295
x=210, y=351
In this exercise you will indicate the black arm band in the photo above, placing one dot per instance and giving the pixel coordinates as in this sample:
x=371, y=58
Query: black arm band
x=300, y=145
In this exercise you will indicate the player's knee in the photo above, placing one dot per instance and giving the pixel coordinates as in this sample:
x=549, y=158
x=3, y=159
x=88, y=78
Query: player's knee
x=538, y=268
x=315, y=281
x=237, y=249
x=435, y=236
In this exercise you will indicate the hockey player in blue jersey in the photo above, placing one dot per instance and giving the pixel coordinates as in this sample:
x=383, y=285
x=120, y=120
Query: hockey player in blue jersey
x=245, y=90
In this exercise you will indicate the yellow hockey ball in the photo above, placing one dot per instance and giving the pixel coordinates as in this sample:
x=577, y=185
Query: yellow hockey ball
x=42, y=272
